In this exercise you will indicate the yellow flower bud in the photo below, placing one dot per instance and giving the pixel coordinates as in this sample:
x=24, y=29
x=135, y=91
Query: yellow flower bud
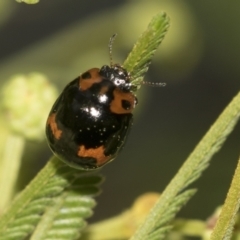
x=26, y=101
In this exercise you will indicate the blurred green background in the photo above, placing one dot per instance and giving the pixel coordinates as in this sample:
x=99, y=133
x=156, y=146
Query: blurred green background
x=198, y=60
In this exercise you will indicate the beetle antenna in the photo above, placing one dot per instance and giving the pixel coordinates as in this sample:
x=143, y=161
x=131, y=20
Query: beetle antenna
x=154, y=84
x=112, y=38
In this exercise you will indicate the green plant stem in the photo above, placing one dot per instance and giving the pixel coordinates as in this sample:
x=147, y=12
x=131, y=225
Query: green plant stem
x=225, y=223
x=10, y=164
x=193, y=166
x=28, y=193
x=47, y=219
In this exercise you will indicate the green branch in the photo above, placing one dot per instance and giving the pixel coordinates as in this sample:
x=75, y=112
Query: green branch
x=225, y=224
x=191, y=170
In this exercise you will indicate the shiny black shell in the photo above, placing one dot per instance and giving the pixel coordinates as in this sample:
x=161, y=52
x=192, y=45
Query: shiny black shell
x=89, y=122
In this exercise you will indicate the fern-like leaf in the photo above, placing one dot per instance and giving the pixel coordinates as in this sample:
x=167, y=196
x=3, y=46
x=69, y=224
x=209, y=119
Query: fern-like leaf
x=227, y=219
x=191, y=169
x=66, y=218
x=162, y=224
x=43, y=194
x=140, y=57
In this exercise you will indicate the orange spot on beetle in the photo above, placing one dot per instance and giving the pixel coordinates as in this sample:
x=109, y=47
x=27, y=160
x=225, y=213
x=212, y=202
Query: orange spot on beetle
x=116, y=104
x=97, y=153
x=85, y=84
x=53, y=125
